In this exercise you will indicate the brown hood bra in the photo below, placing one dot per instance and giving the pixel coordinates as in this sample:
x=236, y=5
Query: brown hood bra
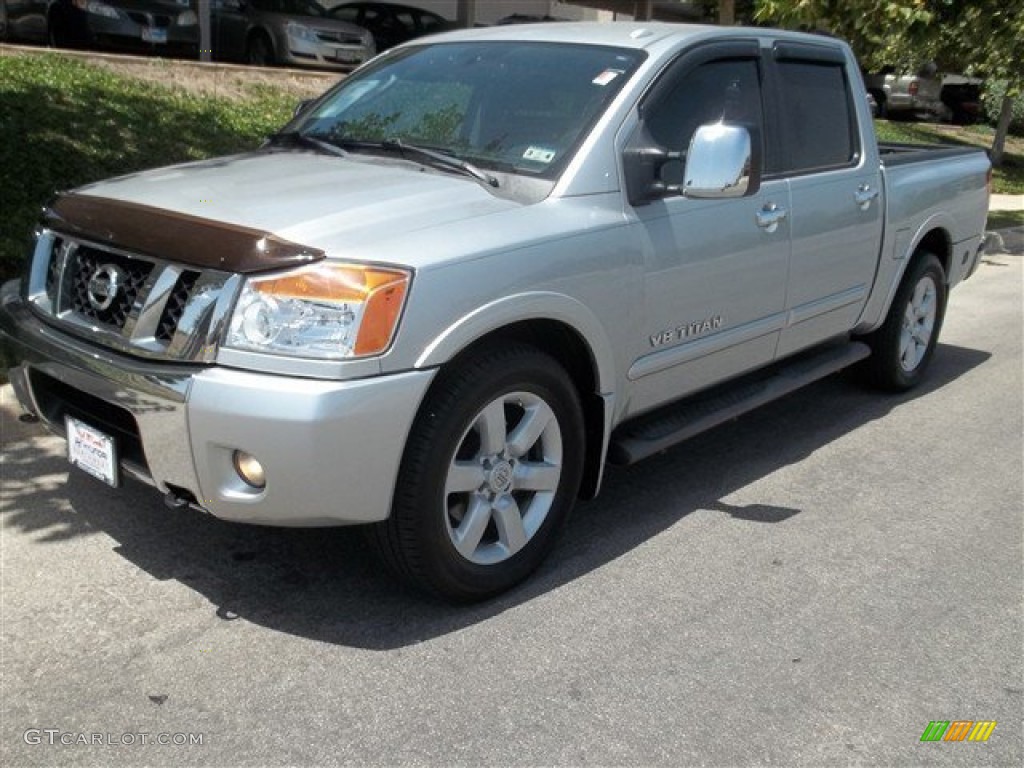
x=173, y=236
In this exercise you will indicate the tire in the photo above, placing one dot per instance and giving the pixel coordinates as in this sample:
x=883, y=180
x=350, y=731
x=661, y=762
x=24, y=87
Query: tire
x=903, y=347
x=883, y=107
x=490, y=473
x=56, y=31
x=258, y=51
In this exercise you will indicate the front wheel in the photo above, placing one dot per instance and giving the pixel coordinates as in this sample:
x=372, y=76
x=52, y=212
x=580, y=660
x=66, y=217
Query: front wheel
x=491, y=470
x=258, y=52
x=903, y=347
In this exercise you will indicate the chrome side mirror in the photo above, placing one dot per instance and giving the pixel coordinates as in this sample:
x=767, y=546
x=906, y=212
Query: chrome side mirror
x=723, y=162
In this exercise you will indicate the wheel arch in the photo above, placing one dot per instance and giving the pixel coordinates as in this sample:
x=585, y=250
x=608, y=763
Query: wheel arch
x=563, y=328
x=258, y=31
x=933, y=236
x=937, y=241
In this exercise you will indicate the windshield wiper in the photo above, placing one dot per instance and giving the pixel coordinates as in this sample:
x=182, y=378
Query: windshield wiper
x=437, y=158
x=297, y=138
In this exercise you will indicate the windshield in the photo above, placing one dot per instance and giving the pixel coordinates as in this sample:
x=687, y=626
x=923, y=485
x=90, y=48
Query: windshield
x=518, y=107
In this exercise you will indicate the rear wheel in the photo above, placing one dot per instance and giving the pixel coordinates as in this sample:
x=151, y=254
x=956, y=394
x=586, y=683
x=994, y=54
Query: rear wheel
x=903, y=347
x=491, y=471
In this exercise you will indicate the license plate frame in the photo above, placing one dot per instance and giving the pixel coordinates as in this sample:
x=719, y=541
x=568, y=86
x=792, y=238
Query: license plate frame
x=154, y=35
x=93, y=451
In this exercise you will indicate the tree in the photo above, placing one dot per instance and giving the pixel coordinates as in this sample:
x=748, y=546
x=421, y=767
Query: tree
x=977, y=37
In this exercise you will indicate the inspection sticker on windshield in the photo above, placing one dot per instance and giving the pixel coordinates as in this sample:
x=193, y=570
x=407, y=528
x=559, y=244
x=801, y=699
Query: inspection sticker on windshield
x=539, y=154
x=606, y=77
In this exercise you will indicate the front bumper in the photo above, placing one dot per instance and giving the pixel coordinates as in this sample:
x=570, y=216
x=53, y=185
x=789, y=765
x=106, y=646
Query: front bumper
x=298, y=52
x=330, y=450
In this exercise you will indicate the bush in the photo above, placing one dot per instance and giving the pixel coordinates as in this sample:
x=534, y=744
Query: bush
x=64, y=123
x=993, y=102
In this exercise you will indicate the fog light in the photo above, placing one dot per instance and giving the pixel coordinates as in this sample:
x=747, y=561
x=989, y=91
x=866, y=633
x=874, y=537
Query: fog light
x=249, y=469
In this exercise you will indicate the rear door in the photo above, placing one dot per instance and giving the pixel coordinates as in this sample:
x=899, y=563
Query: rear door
x=836, y=216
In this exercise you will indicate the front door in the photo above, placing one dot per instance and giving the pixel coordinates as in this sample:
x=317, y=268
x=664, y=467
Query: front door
x=715, y=272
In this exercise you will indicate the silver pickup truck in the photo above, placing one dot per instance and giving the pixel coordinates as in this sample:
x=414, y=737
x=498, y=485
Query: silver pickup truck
x=459, y=283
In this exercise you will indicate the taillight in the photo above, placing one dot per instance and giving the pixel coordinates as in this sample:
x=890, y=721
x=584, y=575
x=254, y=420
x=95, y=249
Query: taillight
x=914, y=85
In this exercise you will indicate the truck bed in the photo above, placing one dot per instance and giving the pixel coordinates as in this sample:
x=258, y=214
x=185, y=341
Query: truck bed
x=894, y=154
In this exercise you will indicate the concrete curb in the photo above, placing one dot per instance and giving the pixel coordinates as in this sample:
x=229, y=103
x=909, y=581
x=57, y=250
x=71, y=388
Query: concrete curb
x=1006, y=241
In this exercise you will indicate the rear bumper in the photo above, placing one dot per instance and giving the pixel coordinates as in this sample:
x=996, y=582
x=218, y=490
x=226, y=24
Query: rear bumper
x=330, y=450
x=124, y=33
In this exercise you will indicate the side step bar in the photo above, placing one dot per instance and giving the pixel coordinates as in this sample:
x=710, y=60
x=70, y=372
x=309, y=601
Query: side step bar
x=665, y=427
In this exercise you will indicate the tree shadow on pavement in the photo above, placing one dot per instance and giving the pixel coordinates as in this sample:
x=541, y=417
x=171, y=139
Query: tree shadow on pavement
x=324, y=585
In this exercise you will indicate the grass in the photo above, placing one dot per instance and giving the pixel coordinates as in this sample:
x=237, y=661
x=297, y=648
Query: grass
x=64, y=123
x=1008, y=179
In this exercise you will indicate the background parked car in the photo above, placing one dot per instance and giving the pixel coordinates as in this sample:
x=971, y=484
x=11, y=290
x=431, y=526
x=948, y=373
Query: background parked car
x=962, y=95
x=297, y=33
x=526, y=18
x=164, y=26
x=908, y=96
x=390, y=23
x=872, y=104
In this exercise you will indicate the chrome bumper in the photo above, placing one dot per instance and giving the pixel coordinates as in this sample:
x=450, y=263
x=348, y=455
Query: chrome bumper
x=330, y=450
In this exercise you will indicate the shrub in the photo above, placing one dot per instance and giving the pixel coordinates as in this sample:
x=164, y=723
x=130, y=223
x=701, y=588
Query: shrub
x=992, y=100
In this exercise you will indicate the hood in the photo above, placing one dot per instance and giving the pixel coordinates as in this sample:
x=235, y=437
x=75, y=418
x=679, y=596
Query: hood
x=224, y=213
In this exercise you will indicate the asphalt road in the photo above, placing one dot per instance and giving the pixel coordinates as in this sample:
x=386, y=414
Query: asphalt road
x=810, y=585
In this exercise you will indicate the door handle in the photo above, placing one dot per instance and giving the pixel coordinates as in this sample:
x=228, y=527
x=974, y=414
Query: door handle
x=864, y=195
x=769, y=217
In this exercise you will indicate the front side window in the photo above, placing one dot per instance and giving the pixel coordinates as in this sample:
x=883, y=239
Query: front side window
x=515, y=107
x=719, y=91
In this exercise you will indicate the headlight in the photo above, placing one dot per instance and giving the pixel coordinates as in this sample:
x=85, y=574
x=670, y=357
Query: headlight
x=327, y=311
x=96, y=8
x=187, y=19
x=301, y=31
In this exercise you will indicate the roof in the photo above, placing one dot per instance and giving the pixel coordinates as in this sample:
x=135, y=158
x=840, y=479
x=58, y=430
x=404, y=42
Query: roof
x=639, y=35
x=623, y=34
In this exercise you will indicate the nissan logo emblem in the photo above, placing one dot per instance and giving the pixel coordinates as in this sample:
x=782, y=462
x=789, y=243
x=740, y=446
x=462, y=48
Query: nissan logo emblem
x=104, y=284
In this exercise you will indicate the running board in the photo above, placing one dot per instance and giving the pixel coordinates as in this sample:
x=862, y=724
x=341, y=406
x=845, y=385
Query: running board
x=672, y=424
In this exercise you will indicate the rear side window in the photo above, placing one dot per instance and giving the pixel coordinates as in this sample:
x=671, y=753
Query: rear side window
x=817, y=122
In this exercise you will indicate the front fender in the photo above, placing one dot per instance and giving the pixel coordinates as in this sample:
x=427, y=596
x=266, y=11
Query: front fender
x=534, y=305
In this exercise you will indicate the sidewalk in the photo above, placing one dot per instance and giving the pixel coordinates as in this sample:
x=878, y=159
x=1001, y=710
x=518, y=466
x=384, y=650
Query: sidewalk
x=1006, y=203
x=1011, y=239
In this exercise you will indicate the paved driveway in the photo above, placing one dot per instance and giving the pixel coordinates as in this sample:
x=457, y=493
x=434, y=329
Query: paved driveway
x=812, y=585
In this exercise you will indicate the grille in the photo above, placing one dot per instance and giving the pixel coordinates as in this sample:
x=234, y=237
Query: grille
x=336, y=37
x=87, y=262
x=53, y=272
x=134, y=303
x=175, y=306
